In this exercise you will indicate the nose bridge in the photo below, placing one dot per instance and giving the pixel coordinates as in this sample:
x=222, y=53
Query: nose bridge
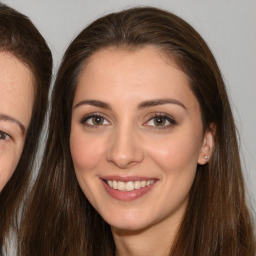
x=125, y=149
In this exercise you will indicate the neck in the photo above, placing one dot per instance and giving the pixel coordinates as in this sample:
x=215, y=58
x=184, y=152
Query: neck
x=155, y=240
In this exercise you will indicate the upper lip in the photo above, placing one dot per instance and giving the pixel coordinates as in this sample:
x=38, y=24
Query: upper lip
x=126, y=178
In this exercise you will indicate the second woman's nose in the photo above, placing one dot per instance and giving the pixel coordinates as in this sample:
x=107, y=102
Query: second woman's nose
x=125, y=149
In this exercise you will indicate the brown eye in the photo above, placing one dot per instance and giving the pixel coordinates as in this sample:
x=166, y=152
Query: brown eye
x=97, y=120
x=159, y=121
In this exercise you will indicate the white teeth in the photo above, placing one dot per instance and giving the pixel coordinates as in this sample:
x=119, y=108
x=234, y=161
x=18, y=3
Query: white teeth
x=130, y=185
x=114, y=184
x=137, y=184
x=110, y=183
x=121, y=185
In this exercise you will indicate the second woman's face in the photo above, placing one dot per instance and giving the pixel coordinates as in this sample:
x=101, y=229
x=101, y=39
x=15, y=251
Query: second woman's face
x=136, y=137
x=16, y=101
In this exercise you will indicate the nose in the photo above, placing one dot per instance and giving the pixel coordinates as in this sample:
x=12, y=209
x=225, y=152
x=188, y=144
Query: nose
x=125, y=149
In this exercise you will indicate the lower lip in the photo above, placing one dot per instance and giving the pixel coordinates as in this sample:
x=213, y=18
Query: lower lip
x=127, y=195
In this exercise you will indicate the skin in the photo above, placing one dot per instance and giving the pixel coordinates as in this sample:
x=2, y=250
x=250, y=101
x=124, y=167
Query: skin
x=16, y=101
x=129, y=143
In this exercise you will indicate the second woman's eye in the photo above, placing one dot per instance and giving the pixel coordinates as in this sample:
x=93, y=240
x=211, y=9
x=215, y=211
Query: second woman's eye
x=160, y=121
x=94, y=120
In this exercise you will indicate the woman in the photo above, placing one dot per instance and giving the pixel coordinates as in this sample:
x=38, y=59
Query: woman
x=142, y=156
x=25, y=75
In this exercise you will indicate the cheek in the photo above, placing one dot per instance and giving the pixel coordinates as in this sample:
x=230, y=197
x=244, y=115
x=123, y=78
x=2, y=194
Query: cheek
x=86, y=151
x=176, y=158
x=87, y=154
x=178, y=153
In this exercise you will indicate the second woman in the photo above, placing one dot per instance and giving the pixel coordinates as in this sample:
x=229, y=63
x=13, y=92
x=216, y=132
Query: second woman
x=142, y=156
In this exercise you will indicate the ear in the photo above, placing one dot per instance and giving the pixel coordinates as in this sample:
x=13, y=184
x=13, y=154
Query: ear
x=207, y=145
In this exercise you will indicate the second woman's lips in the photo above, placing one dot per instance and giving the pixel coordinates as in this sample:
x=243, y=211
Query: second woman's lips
x=130, y=185
x=127, y=188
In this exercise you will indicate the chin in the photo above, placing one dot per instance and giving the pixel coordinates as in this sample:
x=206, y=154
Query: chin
x=128, y=227
x=134, y=223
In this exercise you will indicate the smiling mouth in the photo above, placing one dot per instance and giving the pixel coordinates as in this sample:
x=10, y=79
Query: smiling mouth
x=130, y=185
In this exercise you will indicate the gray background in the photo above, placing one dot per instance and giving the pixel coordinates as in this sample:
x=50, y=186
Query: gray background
x=228, y=26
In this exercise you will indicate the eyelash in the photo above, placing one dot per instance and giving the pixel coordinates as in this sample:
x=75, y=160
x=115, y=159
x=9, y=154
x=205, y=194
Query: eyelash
x=162, y=116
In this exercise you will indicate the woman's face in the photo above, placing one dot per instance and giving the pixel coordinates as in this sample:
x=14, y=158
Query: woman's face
x=16, y=100
x=136, y=137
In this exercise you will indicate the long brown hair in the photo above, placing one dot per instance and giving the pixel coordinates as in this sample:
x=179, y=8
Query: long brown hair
x=19, y=37
x=60, y=220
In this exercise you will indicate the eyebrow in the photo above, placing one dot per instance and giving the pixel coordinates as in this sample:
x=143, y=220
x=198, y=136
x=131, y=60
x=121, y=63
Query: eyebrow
x=157, y=102
x=142, y=105
x=95, y=103
x=13, y=120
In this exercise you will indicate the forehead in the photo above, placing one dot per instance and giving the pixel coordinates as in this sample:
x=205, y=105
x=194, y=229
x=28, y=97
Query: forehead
x=143, y=73
x=16, y=88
